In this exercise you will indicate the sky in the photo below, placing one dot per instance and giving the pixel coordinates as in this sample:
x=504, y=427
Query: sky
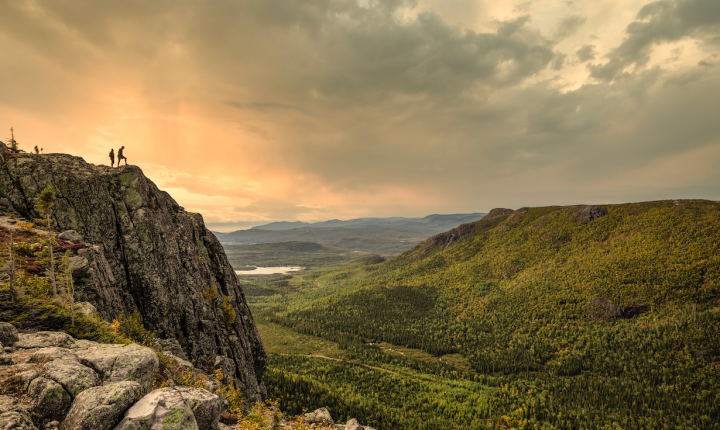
x=250, y=111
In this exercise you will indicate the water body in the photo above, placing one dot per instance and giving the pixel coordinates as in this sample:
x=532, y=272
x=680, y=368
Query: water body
x=269, y=270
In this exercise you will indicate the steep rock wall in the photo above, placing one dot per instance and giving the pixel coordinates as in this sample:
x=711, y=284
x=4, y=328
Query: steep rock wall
x=163, y=260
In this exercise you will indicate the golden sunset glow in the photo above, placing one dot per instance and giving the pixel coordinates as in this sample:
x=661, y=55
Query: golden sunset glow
x=250, y=111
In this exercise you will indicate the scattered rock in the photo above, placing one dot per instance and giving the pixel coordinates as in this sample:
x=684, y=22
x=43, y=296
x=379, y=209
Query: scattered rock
x=206, y=407
x=8, y=334
x=319, y=416
x=353, y=424
x=101, y=408
x=85, y=308
x=72, y=375
x=161, y=409
x=52, y=353
x=171, y=345
x=588, y=213
x=51, y=399
x=185, y=365
x=115, y=363
x=43, y=339
x=15, y=420
x=70, y=235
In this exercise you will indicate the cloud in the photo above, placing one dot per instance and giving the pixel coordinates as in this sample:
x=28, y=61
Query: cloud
x=660, y=22
x=568, y=26
x=263, y=110
x=586, y=53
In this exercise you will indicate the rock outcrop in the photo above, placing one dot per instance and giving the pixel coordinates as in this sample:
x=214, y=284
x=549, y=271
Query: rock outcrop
x=147, y=254
x=77, y=384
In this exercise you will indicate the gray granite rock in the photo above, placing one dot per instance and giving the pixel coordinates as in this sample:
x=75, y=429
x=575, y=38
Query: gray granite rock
x=43, y=339
x=319, y=416
x=115, y=363
x=51, y=401
x=206, y=407
x=70, y=235
x=185, y=365
x=172, y=346
x=85, y=308
x=8, y=334
x=101, y=408
x=161, y=409
x=15, y=420
x=72, y=375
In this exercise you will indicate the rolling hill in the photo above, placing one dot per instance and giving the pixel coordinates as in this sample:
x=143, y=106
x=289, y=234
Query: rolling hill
x=583, y=316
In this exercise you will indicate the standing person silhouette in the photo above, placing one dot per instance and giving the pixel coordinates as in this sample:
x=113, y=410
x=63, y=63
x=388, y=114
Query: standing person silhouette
x=121, y=156
x=112, y=157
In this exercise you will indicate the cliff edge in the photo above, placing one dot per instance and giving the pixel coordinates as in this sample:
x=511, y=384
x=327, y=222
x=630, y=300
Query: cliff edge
x=163, y=262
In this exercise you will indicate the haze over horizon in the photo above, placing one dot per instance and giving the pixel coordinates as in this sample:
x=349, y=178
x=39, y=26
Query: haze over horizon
x=257, y=111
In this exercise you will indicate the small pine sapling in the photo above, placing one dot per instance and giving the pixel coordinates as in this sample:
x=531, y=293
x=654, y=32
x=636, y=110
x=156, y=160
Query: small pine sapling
x=46, y=201
x=67, y=268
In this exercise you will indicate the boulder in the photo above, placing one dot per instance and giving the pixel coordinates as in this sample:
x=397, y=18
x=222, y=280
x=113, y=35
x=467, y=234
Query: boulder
x=101, y=408
x=319, y=416
x=8, y=334
x=72, y=375
x=172, y=346
x=353, y=424
x=43, y=339
x=52, y=353
x=50, y=399
x=16, y=420
x=206, y=407
x=70, y=235
x=5, y=359
x=185, y=365
x=161, y=409
x=24, y=378
x=115, y=363
x=85, y=308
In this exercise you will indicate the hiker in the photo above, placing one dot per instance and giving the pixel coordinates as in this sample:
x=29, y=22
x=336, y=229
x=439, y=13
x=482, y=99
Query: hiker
x=112, y=157
x=121, y=156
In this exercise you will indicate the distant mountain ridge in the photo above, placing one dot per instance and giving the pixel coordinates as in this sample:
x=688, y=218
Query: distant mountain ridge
x=392, y=235
x=365, y=222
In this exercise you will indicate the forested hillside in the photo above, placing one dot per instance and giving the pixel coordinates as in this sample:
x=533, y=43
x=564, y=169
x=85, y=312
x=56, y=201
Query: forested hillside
x=583, y=317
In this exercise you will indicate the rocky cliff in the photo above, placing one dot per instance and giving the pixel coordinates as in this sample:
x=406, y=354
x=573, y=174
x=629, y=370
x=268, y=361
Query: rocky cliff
x=151, y=256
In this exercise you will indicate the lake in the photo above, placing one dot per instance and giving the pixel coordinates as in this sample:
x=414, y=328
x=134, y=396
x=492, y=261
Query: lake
x=269, y=270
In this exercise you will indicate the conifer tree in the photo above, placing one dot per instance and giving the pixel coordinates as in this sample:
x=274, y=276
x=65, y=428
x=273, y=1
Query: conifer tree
x=11, y=268
x=46, y=201
x=13, y=144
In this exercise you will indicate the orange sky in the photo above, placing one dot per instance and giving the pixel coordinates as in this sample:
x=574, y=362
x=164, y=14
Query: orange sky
x=260, y=110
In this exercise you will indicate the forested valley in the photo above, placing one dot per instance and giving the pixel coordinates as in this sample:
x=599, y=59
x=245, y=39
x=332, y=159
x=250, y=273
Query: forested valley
x=556, y=317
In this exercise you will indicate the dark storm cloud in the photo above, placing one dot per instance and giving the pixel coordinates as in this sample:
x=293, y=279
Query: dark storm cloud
x=586, y=53
x=658, y=22
x=568, y=26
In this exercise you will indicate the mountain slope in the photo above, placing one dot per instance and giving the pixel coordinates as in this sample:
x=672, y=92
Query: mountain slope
x=591, y=314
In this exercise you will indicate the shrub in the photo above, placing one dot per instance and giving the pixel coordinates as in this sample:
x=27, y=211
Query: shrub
x=132, y=328
x=228, y=312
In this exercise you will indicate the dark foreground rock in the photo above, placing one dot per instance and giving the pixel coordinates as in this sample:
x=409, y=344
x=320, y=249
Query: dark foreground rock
x=145, y=253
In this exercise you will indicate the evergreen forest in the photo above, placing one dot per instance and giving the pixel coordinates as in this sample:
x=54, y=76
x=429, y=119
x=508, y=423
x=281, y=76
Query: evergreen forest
x=574, y=317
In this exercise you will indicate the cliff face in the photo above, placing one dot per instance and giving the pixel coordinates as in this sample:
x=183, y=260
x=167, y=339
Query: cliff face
x=151, y=256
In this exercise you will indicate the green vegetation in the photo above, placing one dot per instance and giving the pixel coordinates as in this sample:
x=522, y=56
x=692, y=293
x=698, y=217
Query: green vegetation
x=305, y=254
x=611, y=323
